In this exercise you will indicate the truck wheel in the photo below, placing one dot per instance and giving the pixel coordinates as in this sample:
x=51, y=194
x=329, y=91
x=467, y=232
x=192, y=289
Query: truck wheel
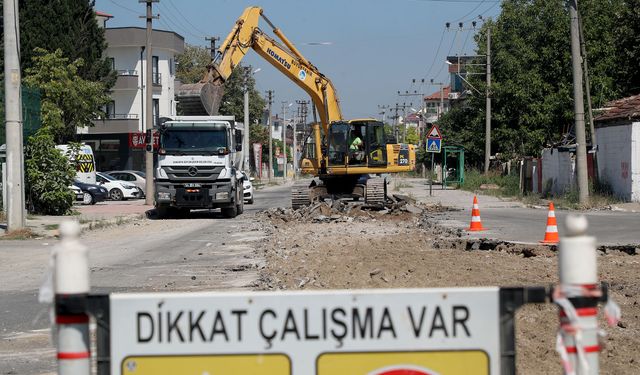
x=230, y=212
x=240, y=202
x=162, y=212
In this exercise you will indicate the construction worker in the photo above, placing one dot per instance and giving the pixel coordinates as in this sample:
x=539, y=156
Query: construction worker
x=356, y=156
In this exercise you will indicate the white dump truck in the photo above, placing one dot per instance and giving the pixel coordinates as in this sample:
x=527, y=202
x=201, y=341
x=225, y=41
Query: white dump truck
x=198, y=165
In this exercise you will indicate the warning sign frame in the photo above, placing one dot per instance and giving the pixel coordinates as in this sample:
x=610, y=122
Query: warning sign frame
x=509, y=300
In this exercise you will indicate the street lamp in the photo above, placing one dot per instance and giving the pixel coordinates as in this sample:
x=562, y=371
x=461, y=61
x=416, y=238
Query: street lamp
x=284, y=137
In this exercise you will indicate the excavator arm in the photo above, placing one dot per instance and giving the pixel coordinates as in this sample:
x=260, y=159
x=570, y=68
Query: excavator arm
x=283, y=56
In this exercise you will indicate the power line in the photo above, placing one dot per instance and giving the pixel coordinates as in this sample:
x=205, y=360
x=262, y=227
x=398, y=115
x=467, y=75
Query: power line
x=435, y=57
x=470, y=12
x=178, y=25
x=185, y=18
x=124, y=7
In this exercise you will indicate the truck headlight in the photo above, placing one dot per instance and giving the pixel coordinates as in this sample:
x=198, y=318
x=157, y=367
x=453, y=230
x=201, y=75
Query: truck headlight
x=164, y=195
x=223, y=195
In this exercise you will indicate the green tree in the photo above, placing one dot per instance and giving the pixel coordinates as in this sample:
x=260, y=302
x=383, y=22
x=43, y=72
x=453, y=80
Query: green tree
x=68, y=25
x=531, y=82
x=192, y=64
x=48, y=175
x=68, y=100
x=233, y=99
x=627, y=47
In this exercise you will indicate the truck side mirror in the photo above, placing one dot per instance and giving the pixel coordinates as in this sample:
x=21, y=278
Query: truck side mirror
x=238, y=134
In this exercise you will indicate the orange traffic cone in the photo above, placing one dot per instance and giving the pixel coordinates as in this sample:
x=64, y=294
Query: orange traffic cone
x=551, y=234
x=476, y=223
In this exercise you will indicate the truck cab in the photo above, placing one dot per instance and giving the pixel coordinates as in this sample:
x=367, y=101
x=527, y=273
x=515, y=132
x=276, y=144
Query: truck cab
x=197, y=165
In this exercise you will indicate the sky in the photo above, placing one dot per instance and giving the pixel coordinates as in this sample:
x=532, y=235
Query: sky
x=370, y=49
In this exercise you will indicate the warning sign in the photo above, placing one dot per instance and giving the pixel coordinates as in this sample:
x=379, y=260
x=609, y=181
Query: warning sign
x=324, y=332
x=434, y=133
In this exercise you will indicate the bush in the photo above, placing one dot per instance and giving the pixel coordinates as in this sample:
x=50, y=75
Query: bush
x=48, y=176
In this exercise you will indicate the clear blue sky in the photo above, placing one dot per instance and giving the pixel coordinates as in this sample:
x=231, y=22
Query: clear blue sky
x=376, y=46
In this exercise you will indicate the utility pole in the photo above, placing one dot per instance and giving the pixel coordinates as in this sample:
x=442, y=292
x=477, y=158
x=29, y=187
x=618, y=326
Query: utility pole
x=284, y=138
x=302, y=118
x=148, y=125
x=587, y=85
x=487, y=126
x=247, y=125
x=13, y=118
x=269, y=125
x=383, y=112
x=578, y=105
x=212, y=48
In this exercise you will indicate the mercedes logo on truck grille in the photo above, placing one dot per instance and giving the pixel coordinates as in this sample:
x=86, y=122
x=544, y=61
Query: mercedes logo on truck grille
x=192, y=171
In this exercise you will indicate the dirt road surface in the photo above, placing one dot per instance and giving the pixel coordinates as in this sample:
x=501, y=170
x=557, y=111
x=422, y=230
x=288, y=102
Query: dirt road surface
x=404, y=250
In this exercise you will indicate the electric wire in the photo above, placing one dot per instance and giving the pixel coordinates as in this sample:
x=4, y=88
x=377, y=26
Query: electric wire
x=185, y=18
x=470, y=12
x=124, y=7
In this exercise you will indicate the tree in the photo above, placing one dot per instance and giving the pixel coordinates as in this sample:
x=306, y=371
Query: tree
x=68, y=25
x=68, y=101
x=233, y=99
x=192, y=64
x=531, y=82
x=48, y=176
x=627, y=47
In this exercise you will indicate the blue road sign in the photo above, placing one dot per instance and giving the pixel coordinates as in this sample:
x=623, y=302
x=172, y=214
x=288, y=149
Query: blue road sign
x=433, y=144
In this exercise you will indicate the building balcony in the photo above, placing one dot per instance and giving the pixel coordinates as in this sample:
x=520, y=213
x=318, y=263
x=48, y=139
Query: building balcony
x=127, y=80
x=114, y=123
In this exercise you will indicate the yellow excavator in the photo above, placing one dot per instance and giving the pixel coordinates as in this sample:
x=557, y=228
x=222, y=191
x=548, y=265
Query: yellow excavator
x=348, y=158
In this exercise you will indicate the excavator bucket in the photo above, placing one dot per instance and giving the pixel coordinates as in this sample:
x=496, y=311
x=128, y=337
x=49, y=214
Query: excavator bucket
x=200, y=99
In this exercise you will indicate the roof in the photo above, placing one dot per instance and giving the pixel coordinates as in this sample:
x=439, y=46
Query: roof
x=621, y=109
x=436, y=95
x=103, y=14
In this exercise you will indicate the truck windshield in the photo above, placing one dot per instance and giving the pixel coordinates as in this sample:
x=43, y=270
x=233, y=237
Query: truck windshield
x=193, y=140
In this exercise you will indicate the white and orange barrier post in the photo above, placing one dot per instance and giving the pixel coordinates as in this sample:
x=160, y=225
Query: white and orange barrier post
x=577, y=296
x=71, y=287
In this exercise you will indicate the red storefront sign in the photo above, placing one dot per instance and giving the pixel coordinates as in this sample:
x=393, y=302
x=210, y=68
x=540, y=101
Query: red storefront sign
x=139, y=140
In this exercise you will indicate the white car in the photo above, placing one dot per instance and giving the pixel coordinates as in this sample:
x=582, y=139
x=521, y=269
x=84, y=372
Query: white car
x=135, y=177
x=118, y=190
x=247, y=187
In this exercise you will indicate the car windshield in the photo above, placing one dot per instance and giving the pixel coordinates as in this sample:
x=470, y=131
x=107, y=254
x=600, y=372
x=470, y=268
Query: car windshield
x=194, y=139
x=107, y=177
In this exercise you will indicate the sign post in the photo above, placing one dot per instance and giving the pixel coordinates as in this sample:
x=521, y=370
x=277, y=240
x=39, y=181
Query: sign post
x=433, y=145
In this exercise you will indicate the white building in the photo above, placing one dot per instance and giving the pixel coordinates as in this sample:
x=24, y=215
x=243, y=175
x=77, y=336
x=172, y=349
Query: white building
x=117, y=139
x=618, y=140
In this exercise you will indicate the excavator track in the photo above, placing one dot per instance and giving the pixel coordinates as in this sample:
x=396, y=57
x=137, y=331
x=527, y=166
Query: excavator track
x=300, y=195
x=375, y=191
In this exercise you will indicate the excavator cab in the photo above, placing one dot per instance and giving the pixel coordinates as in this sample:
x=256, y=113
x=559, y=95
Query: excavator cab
x=357, y=143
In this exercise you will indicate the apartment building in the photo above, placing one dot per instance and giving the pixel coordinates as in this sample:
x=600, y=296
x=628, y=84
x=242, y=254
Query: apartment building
x=118, y=138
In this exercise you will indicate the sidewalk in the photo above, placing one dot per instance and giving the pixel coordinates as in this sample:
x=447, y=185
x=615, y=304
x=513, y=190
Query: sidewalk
x=514, y=222
x=101, y=214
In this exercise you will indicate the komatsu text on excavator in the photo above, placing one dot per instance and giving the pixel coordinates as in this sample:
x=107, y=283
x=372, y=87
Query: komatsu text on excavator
x=348, y=158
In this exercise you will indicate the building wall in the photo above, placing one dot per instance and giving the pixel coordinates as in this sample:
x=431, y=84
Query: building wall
x=616, y=162
x=558, y=171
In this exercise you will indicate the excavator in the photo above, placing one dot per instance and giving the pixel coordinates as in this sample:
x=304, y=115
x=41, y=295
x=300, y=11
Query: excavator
x=348, y=158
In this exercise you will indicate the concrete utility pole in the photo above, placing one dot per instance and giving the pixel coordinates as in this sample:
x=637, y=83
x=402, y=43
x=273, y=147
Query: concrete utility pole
x=487, y=126
x=269, y=126
x=13, y=118
x=284, y=138
x=587, y=85
x=247, y=125
x=148, y=125
x=212, y=48
x=578, y=105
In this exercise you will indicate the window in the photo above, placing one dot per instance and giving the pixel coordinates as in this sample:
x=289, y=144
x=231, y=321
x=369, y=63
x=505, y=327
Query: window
x=112, y=63
x=171, y=66
x=156, y=112
x=110, y=109
x=154, y=68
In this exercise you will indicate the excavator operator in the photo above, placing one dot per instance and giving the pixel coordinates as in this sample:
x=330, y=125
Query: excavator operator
x=356, y=147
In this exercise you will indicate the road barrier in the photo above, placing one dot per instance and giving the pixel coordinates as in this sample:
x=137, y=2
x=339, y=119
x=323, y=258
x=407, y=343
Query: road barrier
x=374, y=332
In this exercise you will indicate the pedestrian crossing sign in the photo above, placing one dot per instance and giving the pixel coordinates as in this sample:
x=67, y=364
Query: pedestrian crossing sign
x=433, y=145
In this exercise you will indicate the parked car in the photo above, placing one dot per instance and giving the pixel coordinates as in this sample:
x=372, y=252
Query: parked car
x=78, y=192
x=137, y=178
x=247, y=187
x=118, y=190
x=92, y=194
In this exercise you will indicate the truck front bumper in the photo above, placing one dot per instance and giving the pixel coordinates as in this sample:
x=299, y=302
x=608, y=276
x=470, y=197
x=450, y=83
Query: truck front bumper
x=183, y=195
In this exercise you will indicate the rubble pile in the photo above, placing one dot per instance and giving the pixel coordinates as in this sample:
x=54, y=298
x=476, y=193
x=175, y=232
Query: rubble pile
x=342, y=211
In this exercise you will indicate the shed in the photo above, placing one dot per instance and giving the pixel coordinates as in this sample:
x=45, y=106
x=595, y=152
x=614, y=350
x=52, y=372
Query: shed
x=618, y=140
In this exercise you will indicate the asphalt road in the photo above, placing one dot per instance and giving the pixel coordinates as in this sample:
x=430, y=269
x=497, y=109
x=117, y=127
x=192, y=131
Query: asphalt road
x=202, y=252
